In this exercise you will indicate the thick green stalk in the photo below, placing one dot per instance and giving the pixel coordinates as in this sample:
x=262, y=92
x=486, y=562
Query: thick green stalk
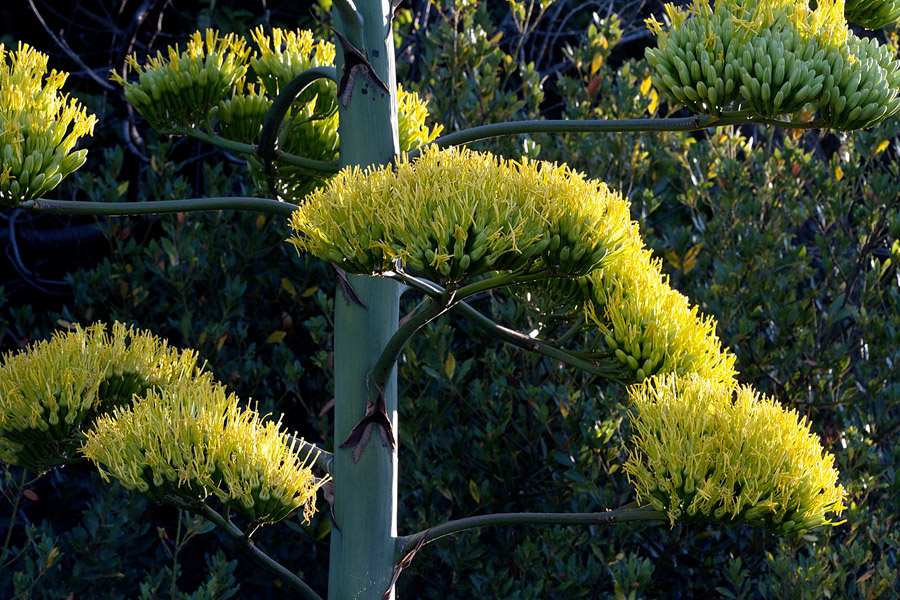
x=363, y=538
x=158, y=207
x=609, y=517
x=694, y=123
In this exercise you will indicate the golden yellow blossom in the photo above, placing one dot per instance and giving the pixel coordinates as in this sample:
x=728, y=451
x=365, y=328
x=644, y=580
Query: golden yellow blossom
x=54, y=389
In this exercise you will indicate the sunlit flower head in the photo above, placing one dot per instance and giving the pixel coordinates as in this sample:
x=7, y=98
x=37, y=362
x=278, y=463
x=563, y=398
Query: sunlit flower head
x=652, y=328
x=39, y=126
x=181, y=88
x=192, y=441
x=453, y=214
x=708, y=451
x=53, y=390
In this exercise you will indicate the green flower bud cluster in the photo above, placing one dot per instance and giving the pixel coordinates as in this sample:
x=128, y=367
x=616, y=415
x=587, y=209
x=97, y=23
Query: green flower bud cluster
x=711, y=451
x=454, y=214
x=862, y=87
x=192, y=440
x=241, y=116
x=181, y=89
x=38, y=126
x=872, y=14
x=694, y=63
x=650, y=327
x=54, y=389
x=774, y=58
x=190, y=88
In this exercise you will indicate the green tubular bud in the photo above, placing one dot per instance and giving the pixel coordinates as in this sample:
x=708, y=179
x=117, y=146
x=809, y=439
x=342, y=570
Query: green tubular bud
x=37, y=182
x=623, y=358
x=702, y=91
x=714, y=97
x=640, y=376
x=683, y=72
x=778, y=73
x=554, y=243
x=51, y=182
x=631, y=362
x=690, y=94
x=478, y=252
x=578, y=253
x=464, y=263
x=564, y=255
x=610, y=342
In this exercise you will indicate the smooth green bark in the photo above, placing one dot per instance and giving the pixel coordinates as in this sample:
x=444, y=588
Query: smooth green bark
x=364, y=533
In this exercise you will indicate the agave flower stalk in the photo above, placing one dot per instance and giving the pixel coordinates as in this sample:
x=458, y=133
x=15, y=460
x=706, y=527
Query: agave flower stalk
x=364, y=536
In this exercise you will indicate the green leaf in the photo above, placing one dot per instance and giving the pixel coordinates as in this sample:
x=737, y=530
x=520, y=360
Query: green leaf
x=275, y=337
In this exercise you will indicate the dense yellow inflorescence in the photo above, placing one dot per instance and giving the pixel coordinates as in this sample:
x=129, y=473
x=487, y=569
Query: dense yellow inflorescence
x=774, y=58
x=710, y=451
x=192, y=441
x=651, y=328
x=53, y=390
x=453, y=214
x=39, y=127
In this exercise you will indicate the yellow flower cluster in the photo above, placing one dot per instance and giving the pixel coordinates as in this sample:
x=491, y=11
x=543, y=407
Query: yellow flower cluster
x=652, y=328
x=54, y=389
x=38, y=126
x=192, y=440
x=180, y=89
x=285, y=55
x=710, y=451
x=773, y=58
x=453, y=214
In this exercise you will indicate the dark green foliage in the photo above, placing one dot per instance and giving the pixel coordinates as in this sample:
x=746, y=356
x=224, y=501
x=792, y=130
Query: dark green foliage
x=790, y=241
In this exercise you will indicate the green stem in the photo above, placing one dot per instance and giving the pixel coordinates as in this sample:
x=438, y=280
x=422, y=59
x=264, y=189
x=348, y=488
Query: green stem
x=282, y=104
x=241, y=148
x=110, y=209
x=258, y=556
x=363, y=538
x=510, y=336
x=388, y=358
x=12, y=520
x=323, y=458
x=610, y=517
x=497, y=281
x=693, y=123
